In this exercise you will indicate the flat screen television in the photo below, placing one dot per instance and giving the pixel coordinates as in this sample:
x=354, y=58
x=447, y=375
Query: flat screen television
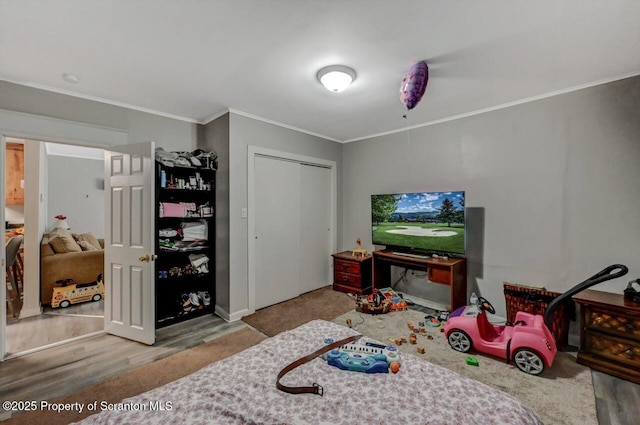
x=423, y=222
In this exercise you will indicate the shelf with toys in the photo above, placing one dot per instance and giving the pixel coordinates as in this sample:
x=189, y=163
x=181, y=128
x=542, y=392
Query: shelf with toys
x=185, y=235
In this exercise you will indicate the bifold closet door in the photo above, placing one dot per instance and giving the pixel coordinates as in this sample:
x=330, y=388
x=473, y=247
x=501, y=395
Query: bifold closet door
x=277, y=230
x=315, y=234
x=292, y=229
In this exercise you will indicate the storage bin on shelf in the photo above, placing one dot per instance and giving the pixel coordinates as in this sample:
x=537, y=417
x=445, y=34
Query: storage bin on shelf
x=535, y=300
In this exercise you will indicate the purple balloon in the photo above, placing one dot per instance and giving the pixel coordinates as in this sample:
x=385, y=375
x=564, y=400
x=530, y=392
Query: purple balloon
x=414, y=84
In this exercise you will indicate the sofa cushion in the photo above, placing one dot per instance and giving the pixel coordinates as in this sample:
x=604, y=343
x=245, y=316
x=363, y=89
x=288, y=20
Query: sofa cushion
x=87, y=237
x=61, y=241
x=86, y=246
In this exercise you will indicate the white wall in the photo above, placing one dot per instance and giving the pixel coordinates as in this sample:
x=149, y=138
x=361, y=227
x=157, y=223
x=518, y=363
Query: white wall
x=97, y=119
x=14, y=214
x=551, y=186
x=76, y=190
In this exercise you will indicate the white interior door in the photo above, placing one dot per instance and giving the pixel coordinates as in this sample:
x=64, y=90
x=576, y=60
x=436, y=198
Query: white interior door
x=129, y=215
x=277, y=230
x=3, y=293
x=315, y=234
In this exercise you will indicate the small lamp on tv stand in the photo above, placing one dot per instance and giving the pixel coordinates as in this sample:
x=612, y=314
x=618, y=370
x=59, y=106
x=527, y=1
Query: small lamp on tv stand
x=359, y=250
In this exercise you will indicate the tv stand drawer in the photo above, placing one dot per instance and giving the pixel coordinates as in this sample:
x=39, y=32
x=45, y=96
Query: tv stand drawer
x=440, y=274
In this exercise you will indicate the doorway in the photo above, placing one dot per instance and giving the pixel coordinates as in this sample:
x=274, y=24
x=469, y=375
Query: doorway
x=69, y=181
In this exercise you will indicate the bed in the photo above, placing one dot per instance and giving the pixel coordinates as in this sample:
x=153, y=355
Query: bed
x=241, y=390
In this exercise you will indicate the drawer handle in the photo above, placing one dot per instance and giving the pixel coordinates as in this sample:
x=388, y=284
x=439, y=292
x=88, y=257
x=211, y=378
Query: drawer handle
x=630, y=354
x=345, y=267
x=345, y=278
x=629, y=325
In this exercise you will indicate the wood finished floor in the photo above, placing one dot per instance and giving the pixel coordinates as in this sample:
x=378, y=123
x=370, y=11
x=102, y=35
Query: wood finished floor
x=62, y=370
x=54, y=325
x=617, y=400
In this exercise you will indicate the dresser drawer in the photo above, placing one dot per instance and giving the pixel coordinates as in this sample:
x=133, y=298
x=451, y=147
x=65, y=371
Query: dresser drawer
x=348, y=279
x=613, y=323
x=346, y=266
x=619, y=350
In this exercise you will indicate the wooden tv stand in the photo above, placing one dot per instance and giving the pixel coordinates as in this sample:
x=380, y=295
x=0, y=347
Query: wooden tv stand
x=450, y=271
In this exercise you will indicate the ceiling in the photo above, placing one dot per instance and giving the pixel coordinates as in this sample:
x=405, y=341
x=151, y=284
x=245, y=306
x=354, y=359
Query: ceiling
x=195, y=59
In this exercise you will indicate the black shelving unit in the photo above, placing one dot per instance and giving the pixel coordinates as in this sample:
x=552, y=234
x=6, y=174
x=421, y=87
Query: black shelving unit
x=184, y=243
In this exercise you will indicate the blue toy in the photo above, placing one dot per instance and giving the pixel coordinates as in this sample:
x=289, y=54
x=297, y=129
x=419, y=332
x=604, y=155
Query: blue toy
x=367, y=358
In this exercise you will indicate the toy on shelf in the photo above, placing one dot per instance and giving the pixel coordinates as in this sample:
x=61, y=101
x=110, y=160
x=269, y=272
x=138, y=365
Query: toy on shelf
x=368, y=358
x=359, y=250
x=68, y=293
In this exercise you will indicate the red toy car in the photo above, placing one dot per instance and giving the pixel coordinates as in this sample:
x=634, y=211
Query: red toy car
x=528, y=341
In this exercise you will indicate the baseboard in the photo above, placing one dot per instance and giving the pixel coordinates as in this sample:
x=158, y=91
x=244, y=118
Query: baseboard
x=233, y=317
x=24, y=313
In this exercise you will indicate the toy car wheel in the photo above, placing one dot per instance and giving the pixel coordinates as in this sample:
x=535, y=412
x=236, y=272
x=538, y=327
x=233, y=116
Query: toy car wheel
x=459, y=340
x=65, y=304
x=529, y=361
x=97, y=297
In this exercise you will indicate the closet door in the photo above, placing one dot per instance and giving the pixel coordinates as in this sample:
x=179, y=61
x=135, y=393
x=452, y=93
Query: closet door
x=277, y=230
x=315, y=231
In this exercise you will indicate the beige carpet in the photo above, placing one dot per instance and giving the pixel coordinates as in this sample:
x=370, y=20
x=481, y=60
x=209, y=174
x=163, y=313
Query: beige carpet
x=323, y=303
x=562, y=395
x=145, y=377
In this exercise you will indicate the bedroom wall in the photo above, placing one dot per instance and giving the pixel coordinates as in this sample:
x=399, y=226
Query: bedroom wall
x=551, y=187
x=215, y=137
x=167, y=132
x=245, y=131
x=66, y=119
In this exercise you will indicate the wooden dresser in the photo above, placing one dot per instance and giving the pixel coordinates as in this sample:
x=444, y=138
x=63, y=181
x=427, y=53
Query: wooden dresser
x=352, y=274
x=609, y=334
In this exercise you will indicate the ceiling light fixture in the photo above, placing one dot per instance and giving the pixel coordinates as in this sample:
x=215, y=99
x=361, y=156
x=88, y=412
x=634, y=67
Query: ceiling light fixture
x=336, y=78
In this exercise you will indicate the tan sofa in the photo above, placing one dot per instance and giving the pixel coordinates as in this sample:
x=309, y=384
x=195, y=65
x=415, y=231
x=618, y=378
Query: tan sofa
x=82, y=267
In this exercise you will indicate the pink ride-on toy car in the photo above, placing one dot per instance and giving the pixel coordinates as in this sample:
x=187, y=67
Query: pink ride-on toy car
x=528, y=341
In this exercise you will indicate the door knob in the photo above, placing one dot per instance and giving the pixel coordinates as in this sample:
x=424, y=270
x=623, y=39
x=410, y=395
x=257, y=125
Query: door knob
x=146, y=258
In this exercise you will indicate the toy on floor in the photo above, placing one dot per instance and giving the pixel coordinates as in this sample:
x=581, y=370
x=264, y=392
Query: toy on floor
x=381, y=301
x=73, y=293
x=372, y=304
x=528, y=342
x=397, y=303
x=367, y=358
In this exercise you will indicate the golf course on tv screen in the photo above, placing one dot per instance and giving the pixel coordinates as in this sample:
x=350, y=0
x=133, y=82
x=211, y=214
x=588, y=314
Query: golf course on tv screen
x=424, y=221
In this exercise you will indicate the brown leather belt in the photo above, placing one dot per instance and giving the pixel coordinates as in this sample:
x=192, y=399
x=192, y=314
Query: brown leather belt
x=315, y=389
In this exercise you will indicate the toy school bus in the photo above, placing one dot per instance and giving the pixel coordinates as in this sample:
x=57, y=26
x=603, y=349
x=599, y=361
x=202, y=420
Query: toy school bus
x=73, y=293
